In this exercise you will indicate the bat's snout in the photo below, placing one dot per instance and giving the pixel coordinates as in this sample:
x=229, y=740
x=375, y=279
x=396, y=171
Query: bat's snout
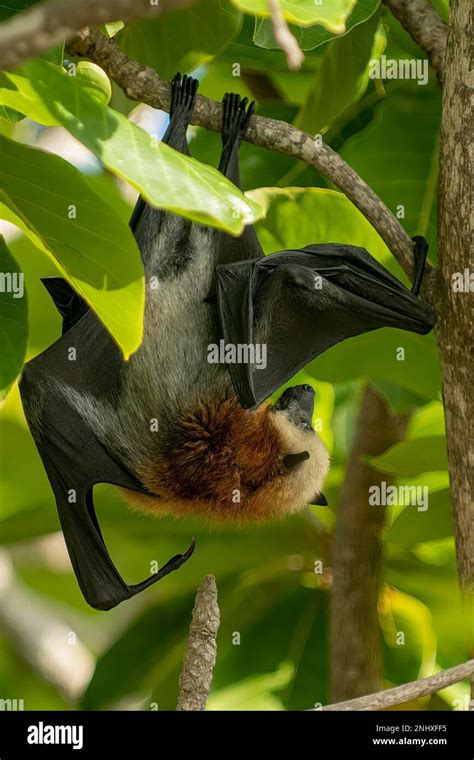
x=297, y=402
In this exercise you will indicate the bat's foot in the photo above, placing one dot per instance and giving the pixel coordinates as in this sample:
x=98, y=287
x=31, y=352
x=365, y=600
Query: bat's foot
x=183, y=95
x=235, y=116
x=420, y=252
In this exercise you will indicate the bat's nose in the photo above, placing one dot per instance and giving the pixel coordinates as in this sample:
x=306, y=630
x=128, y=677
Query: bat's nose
x=303, y=395
x=300, y=397
x=302, y=392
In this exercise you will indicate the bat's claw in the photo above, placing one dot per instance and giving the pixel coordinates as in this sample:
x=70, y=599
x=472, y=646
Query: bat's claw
x=420, y=252
x=235, y=116
x=183, y=94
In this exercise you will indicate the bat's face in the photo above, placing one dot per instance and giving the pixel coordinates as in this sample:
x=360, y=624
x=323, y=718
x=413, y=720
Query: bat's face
x=297, y=404
x=306, y=458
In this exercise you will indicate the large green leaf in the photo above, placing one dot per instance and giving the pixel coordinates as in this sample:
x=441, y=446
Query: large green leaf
x=17, y=92
x=335, y=86
x=397, y=155
x=427, y=421
x=312, y=37
x=167, y=179
x=414, y=526
x=181, y=40
x=407, y=457
x=332, y=16
x=297, y=216
x=375, y=356
x=13, y=319
x=52, y=203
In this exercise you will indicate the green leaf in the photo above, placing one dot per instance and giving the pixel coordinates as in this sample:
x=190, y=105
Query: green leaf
x=9, y=114
x=335, y=86
x=94, y=81
x=297, y=216
x=95, y=251
x=399, y=399
x=113, y=27
x=13, y=319
x=414, y=526
x=397, y=155
x=427, y=421
x=332, y=16
x=407, y=457
x=18, y=93
x=167, y=179
x=181, y=40
x=312, y=37
x=130, y=663
x=19, y=98
x=416, y=658
x=374, y=355
x=253, y=693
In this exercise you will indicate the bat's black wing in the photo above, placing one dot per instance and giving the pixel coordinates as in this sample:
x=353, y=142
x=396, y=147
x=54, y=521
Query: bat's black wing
x=297, y=303
x=84, y=359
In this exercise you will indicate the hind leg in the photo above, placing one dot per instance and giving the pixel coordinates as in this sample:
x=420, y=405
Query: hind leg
x=163, y=237
x=235, y=117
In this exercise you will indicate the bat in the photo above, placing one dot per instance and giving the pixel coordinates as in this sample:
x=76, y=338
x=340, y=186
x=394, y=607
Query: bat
x=183, y=427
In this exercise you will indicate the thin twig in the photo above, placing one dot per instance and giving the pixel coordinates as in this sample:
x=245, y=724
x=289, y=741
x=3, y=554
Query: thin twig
x=49, y=24
x=426, y=27
x=200, y=656
x=143, y=84
x=408, y=691
x=284, y=38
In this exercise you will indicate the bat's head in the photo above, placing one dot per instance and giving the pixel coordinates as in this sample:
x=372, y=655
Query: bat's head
x=227, y=463
x=305, y=457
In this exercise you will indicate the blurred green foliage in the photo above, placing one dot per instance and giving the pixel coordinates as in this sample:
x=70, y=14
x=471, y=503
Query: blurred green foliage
x=273, y=650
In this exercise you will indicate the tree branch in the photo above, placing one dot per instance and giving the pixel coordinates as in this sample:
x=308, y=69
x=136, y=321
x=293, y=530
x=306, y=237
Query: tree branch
x=200, y=656
x=356, y=658
x=455, y=302
x=143, y=84
x=426, y=27
x=49, y=24
x=408, y=691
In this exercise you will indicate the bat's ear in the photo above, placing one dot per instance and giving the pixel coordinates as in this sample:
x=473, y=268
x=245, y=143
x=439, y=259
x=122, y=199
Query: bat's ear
x=291, y=461
x=320, y=500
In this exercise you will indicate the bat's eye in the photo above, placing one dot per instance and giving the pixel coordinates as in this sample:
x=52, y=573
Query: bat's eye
x=306, y=426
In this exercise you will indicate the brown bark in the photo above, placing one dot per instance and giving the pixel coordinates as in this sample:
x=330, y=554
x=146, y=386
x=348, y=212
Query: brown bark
x=408, y=691
x=455, y=256
x=426, y=27
x=355, y=633
x=200, y=656
x=48, y=24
